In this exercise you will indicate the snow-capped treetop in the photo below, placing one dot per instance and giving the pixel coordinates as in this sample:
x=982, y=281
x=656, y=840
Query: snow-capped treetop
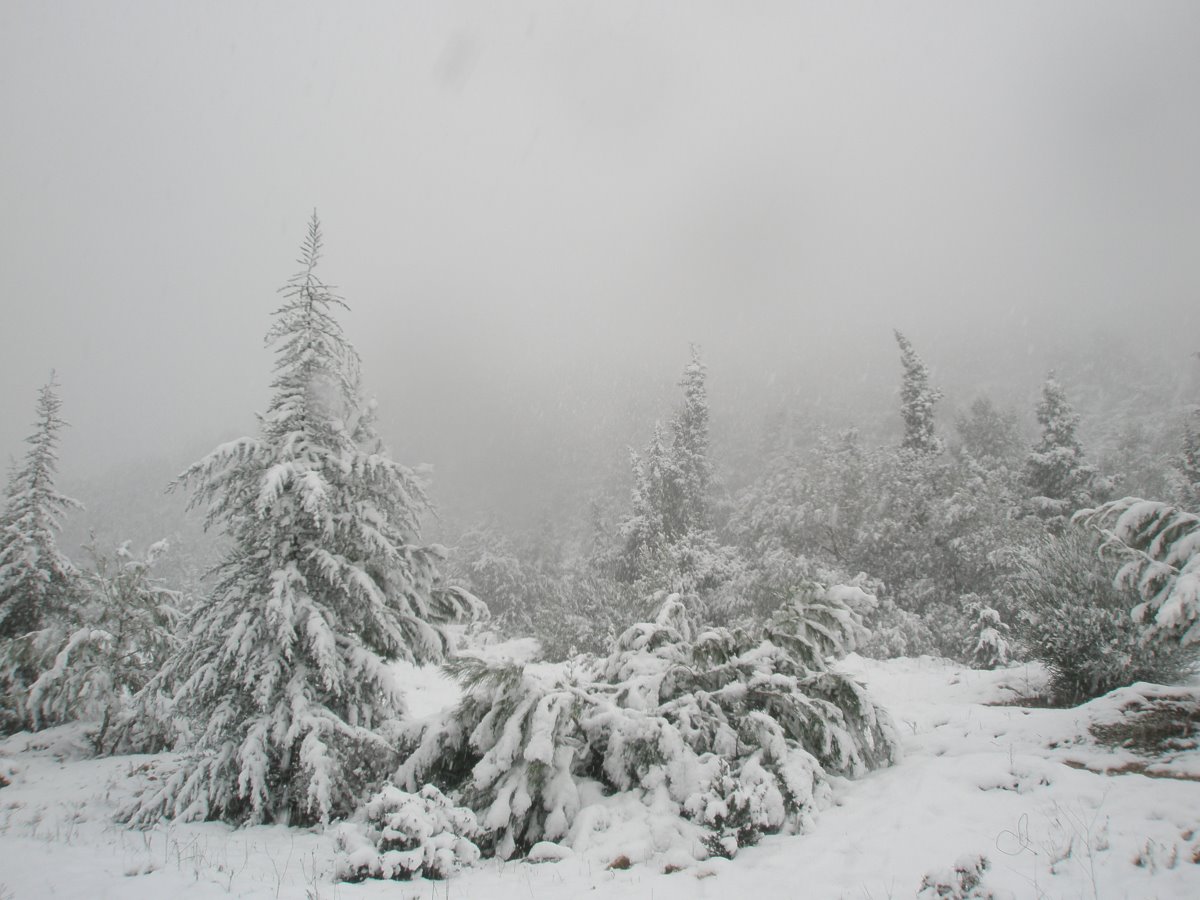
x=917, y=400
x=1056, y=416
x=36, y=579
x=1057, y=475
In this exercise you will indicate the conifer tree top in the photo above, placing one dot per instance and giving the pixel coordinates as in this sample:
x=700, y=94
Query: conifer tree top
x=34, y=576
x=1057, y=474
x=1056, y=416
x=34, y=480
x=917, y=400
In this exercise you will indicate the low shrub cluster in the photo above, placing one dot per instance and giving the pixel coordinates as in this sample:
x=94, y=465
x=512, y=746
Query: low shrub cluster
x=734, y=730
x=1079, y=623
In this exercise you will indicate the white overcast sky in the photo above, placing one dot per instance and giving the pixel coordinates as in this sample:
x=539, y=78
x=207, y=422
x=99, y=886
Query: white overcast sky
x=532, y=208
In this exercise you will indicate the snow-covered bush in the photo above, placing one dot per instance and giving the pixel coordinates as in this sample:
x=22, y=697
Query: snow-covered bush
x=119, y=636
x=401, y=836
x=734, y=729
x=1078, y=622
x=962, y=881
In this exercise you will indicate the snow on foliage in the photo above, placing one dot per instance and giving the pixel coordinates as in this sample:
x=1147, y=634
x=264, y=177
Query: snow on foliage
x=1160, y=545
x=736, y=731
x=400, y=836
x=283, y=671
x=962, y=881
x=119, y=635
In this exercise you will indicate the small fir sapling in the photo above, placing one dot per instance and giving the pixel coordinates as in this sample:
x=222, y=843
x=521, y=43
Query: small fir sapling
x=400, y=836
x=987, y=645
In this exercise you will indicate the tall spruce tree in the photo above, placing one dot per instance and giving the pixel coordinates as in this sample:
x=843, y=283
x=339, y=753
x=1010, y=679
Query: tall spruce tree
x=284, y=672
x=1058, y=478
x=36, y=579
x=917, y=400
x=37, y=582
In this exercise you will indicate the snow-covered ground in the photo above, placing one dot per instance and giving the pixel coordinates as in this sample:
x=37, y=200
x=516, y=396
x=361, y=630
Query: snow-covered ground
x=1027, y=788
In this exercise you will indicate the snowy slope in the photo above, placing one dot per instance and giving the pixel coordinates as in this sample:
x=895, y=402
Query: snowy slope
x=1024, y=787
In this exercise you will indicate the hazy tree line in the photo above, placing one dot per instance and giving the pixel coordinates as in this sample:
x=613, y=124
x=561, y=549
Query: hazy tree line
x=963, y=537
x=702, y=618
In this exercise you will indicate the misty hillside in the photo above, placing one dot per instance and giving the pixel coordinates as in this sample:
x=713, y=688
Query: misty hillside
x=608, y=448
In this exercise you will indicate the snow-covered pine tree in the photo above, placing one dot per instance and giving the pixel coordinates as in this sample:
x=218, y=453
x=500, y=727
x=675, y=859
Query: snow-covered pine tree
x=1057, y=476
x=284, y=669
x=917, y=400
x=987, y=645
x=689, y=448
x=37, y=582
